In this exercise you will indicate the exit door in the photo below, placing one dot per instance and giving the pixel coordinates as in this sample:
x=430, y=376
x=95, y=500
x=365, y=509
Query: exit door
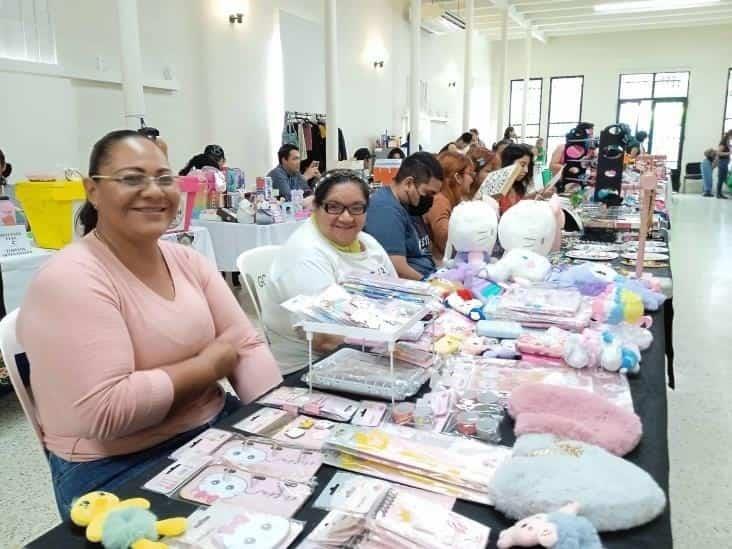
x=663, y=119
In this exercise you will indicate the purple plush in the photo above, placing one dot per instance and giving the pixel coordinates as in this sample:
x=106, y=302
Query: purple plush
x=581, y=277
x=652, y=301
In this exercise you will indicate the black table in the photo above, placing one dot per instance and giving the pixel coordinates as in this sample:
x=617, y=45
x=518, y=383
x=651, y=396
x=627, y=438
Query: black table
x=649, y=397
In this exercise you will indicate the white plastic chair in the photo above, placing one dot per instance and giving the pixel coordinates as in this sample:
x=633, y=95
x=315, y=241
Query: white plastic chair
x=254, y=268
x=10, y=349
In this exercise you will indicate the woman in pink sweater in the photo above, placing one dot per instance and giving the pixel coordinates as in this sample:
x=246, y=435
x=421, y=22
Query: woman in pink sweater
x=127, y=336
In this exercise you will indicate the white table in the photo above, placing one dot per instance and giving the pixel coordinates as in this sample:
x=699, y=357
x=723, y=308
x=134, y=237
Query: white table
x=17, y=272
x=231, y=239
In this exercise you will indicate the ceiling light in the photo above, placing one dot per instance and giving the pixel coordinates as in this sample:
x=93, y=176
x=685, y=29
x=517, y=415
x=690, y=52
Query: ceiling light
x=651, y=5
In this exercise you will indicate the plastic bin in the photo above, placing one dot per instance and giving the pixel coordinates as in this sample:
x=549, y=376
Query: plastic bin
x=50, y=207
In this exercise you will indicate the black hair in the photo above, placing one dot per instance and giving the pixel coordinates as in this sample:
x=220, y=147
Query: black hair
x=197, y=162
x=149, y=132
x=725, y=137
x=501, y=142
x=284, y=152
x=215, y=152
x=337, y=177
x=87, y=217
x=7, y=167
x=420, y=166
x=507, y=132
x=466, y=138
x=641, y=136
x=398, y=152
x=585, y=126
x=362, y=154
x=510, y=155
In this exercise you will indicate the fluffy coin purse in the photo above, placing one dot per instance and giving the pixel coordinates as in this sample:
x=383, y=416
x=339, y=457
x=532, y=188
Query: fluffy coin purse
x=563, y=529
x=547, y=472
x=576, y=414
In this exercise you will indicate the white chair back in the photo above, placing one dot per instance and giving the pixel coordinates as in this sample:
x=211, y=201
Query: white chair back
x=11, y=350
x=254, y=267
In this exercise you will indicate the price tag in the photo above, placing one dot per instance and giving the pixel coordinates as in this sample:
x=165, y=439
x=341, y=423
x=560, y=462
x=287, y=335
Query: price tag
x=14, y=241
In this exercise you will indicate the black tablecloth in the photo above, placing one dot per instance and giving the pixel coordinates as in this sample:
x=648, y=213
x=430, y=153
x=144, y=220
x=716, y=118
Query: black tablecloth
x=649, y=397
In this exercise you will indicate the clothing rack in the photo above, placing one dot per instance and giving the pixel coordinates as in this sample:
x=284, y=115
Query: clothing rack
x=305, y=116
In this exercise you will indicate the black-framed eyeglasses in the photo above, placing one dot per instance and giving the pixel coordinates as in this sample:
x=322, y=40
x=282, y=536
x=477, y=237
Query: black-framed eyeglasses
x=137, y=180
x=336, y=208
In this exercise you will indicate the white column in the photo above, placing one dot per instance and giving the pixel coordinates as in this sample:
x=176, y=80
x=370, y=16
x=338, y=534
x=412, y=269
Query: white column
x=468, y=73
x=503, y=75
x=129, y=38
x=527, y=80
x=331, y=84
x=414, y=107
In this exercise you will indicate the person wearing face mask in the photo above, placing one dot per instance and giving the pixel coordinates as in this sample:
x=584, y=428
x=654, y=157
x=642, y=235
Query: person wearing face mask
x=458, y=176
x=395, y=215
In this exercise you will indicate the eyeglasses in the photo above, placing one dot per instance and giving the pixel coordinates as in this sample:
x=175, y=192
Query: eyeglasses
x=335, y=208
x=138, y=180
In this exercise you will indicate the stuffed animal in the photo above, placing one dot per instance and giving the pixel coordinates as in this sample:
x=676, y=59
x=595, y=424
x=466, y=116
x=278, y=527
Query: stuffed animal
x=531, y=225
x=652, y=300
x=464, y=302
x=589, y=278
x=518, y=265
x=476, y=345
x=563, y=529
x=592, y=348
x=637, y=334
x=122, y=524
x=472, y=231
x=616, y=305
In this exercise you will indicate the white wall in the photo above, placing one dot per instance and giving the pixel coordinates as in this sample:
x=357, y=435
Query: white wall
x=601, y=58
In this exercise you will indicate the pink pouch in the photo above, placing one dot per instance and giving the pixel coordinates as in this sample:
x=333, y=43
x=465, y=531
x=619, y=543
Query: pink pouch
x=575, y=414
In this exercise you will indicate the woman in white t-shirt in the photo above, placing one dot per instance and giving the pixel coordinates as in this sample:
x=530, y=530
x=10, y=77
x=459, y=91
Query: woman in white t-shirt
x=326, y=247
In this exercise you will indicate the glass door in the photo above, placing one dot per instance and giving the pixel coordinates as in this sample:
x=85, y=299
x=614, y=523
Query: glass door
x=667, y=129
x=636, y=114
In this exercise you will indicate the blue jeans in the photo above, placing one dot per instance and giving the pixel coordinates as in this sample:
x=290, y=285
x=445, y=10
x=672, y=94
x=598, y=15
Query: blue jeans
x=74, y=479
x=707, y=174
x=722, y=173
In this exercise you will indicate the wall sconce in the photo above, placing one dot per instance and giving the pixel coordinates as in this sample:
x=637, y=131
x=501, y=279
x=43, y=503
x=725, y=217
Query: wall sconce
x=236, y=18
x=451, y=84
x=379, y=64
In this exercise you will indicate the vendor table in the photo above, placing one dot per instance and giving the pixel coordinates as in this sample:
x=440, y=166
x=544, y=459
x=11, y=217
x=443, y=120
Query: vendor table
x=231, y=239
x=18, y=271
x=649, y=397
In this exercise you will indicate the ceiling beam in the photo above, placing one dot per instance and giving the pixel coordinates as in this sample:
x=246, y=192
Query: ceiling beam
x=620, y=28
x=650, y=22
x=583, y=17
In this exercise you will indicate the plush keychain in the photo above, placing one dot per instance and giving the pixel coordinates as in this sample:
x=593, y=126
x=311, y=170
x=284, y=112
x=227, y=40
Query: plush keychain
x=563, y=529
x=123, y=524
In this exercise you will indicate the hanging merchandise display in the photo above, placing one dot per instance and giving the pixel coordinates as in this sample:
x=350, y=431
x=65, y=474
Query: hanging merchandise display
x=308, y=132
x=610, y=164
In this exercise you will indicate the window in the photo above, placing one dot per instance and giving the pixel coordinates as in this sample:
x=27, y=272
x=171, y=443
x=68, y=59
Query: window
x=26, y=31
x=533, y=108
x=655, y=103
x=565, y=108
x=728, y=104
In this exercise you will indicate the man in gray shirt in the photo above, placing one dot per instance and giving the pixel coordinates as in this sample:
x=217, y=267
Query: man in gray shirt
x=286, y=177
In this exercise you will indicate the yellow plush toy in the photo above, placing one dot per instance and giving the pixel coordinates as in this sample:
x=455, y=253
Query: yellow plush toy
x=122, y=524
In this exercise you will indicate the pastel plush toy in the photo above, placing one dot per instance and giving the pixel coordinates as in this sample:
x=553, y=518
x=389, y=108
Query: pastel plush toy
x=563, y=529
x=616, y=305
x=532, y=225
x=637, y=334
x=464, y=302
x=592, y=348
x=472, y=232
x=475, y=345
x=589, y=278
x=652, y=300
x=122, y=524
x=518, y=265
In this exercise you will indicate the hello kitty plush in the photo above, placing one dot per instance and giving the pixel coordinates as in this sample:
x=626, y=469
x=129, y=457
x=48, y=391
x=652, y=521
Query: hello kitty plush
x=472, y=231
x=532, y=225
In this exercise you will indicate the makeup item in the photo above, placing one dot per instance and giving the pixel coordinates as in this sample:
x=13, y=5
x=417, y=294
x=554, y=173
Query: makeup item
x=403, y=413
x=466, y=423
x=424, y=416
x=487, y=429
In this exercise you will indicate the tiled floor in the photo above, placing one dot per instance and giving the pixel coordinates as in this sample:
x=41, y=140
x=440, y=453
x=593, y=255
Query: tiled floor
x=700, y=428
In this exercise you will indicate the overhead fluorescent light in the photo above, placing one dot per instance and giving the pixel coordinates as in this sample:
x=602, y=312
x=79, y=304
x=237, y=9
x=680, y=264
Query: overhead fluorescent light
x=651, y=5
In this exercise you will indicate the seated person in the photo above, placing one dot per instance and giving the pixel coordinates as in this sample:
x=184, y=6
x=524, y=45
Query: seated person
x=286, y=177
x=317, y=254
x=484, y=161
x=396, y=153
x=129, y=335
x=524, y=157
x=458, y=176
x=364, y=155
x=395, y=215
x=464, y=141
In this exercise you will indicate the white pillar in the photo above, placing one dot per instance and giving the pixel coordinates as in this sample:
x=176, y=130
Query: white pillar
x=503, y=75
x=468, y=73
x=129, y=38
x=527, y=80
x=331, y=84
x=414, y=107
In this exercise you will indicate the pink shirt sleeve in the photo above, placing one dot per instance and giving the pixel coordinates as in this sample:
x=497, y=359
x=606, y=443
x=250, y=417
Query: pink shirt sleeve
x=257, y=371
x=89, y=360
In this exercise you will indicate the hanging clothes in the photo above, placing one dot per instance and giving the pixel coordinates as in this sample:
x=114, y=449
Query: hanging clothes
x=308, y=132
x=301, y=142
x=342, y=150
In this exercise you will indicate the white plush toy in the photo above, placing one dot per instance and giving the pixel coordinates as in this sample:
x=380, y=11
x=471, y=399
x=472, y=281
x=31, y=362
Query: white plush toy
x=532, y=225
x=518, y=265
x=472, y=231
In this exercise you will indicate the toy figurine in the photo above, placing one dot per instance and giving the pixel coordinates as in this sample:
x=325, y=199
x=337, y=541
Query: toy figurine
x=563, y=529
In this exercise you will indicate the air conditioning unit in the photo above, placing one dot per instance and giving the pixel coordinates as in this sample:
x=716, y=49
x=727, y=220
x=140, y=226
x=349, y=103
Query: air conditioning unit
x=437, y=20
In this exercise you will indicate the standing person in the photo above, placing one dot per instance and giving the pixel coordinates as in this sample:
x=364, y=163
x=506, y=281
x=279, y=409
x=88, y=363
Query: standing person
x=457, y=182
x=217, y=153
x=509, y=134
x=286, y=176
x=635, y=147
x=707, y=169
x=723, y=156
x=135, y=374
x=540, y=151
x=394, y=217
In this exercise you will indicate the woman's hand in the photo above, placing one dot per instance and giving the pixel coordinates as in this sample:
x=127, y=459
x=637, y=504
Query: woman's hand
x=221, y=356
